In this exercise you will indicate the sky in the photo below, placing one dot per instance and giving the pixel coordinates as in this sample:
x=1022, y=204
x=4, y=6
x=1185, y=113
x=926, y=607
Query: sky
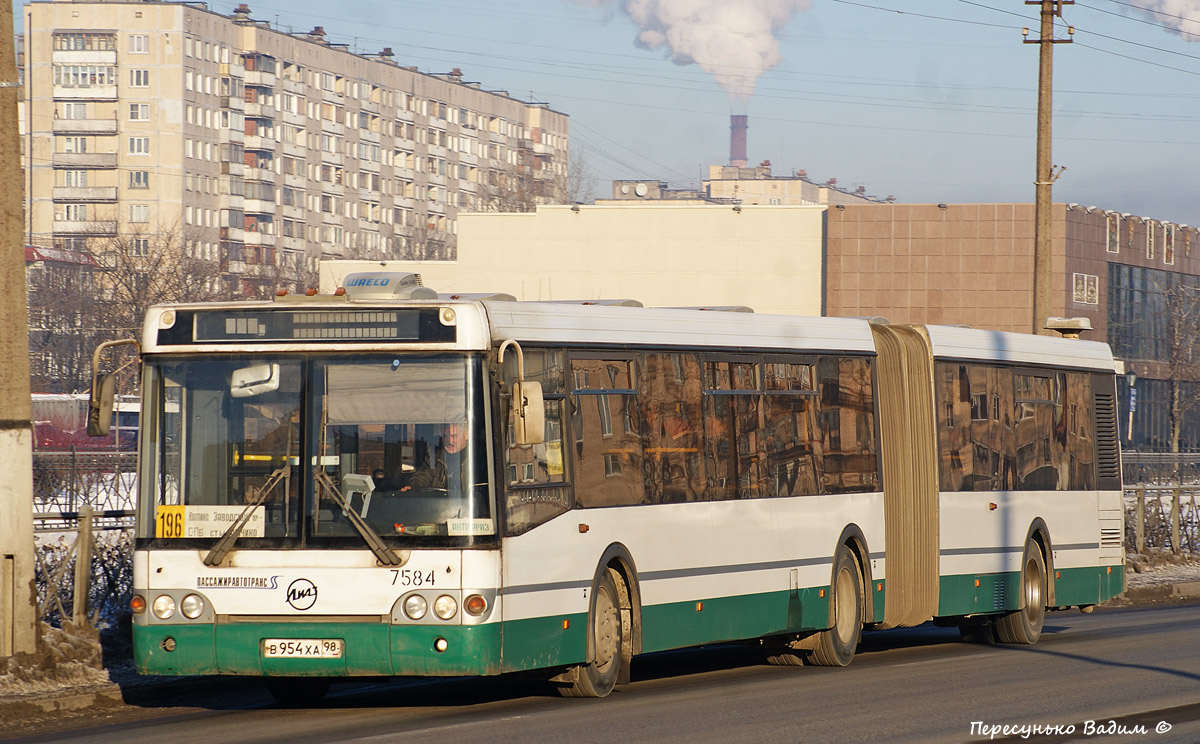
x=925, y=100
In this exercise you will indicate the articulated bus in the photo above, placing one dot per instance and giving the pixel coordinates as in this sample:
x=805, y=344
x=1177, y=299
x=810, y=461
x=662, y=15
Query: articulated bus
x=389, y=482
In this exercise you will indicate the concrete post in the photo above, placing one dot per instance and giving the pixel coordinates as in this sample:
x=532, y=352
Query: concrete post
x=83, y=568
x=18, y=599
x=1175, y=496
x=1140, y=519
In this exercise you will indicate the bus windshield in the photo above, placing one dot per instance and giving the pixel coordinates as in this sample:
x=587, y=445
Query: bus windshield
x=398, y=440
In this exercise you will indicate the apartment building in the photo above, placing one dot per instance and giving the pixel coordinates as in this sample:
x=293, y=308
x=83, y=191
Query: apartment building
x=257, y=150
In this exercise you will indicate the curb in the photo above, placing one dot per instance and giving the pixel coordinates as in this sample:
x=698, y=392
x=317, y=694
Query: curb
x=38, y=705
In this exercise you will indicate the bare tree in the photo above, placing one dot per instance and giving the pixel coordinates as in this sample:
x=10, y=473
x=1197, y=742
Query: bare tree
x=141, y=269
x=579, y=184
x=73, y=306
x=1181, y=330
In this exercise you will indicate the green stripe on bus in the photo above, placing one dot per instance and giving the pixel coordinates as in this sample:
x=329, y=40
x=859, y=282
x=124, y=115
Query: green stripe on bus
x=1000, y=592
x=691, y=623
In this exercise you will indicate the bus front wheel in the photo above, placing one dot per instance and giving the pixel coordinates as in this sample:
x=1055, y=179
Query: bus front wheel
x=836, y=646
x=599, y=676
x=1025, y=625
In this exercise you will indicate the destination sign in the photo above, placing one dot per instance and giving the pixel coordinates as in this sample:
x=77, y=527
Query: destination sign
x=407, y=325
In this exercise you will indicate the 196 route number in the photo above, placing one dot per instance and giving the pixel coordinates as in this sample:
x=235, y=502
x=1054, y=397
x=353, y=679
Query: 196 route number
x=302, y=648
x=411, y=577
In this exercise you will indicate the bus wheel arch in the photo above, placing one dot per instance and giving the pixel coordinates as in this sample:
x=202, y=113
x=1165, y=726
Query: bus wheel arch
x=1040, y=533
x=837, y=645
x=614, y=608
x=852, y=537
x=1024, y=625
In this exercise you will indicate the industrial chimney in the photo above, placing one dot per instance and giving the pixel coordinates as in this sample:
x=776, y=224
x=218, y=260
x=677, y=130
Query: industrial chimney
x=737, y=140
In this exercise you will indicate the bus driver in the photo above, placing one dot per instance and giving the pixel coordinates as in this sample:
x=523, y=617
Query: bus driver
x=450, y=468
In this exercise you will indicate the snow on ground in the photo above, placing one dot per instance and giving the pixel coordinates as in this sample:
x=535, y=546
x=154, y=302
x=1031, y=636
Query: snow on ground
x=1160, y=570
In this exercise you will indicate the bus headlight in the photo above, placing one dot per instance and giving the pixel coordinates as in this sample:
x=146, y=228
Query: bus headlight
x=192, y=606
x=164, y=606
x=415, y=607
x=445, y=607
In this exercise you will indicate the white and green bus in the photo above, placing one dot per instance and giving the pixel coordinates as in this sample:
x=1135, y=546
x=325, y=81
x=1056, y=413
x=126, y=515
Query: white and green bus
x=389, y=482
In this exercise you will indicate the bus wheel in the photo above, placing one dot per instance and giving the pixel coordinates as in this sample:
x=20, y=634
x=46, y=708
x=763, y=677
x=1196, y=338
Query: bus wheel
x=297, y=691
x=836, y=646
x=1025, y=626
x=598, y=677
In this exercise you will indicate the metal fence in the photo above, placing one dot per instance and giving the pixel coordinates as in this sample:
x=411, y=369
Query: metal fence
x=83, y=513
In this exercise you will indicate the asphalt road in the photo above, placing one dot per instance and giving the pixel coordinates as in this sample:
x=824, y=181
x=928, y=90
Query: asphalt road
x=1129, y=670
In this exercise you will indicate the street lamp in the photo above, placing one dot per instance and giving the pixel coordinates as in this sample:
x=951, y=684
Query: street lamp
x=1131, y=380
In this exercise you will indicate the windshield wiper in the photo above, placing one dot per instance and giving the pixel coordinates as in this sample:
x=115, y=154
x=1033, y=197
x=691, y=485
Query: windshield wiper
x=258, y=498
x=382, y=552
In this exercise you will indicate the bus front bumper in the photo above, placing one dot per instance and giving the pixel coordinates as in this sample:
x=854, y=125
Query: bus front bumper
x=367, y=649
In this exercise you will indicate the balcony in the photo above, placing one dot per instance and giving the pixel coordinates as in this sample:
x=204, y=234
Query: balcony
x=232, y=233
x=228, y=136
x=232, y=201
x=256, y=142
x=258, y=174
x=259, y=238
x=94, y=227
x=93, y=93
x=235, y=103
x=260, y=111
x=258, y=77
x=85, y=126
x=84, y=56
x=258, y=206
x=232, y=169
x=85, y=193
x=85, y=160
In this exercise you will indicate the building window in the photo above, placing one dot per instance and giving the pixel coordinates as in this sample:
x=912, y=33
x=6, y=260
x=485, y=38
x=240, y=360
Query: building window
x=84, y=42
x=75, y=179
x=139, y=212
x=140, y=246
x=84, y=76
x=72, y=110
x=139, y=112
x=139, y=44
x=139, y=78
x=75, y=212
x=139, y=145
x=139, y=179
x=75, y=144
x=1086, y=289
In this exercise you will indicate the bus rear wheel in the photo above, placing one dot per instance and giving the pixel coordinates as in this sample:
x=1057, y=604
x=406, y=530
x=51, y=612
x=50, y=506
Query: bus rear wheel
x=295, y=692
x=1025, y=625
x=599, y=676
x=836, y=646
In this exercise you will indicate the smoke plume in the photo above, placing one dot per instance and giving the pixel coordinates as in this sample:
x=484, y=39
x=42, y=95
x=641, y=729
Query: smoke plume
x=734, y=40
x=1181, y=15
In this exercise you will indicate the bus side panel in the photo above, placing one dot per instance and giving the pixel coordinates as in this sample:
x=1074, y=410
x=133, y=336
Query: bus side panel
x=707, y=571
x=982, y=546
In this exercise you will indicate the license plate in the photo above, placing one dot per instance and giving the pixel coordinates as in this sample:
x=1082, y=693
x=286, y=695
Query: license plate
x=302, y=648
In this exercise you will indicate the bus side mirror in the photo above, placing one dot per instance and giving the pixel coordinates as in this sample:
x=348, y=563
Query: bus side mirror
x=100, y=406
x=529, y=413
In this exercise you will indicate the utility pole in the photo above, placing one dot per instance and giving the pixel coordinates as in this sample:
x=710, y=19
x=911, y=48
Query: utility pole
x=1046, y=174
x=18, y=601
